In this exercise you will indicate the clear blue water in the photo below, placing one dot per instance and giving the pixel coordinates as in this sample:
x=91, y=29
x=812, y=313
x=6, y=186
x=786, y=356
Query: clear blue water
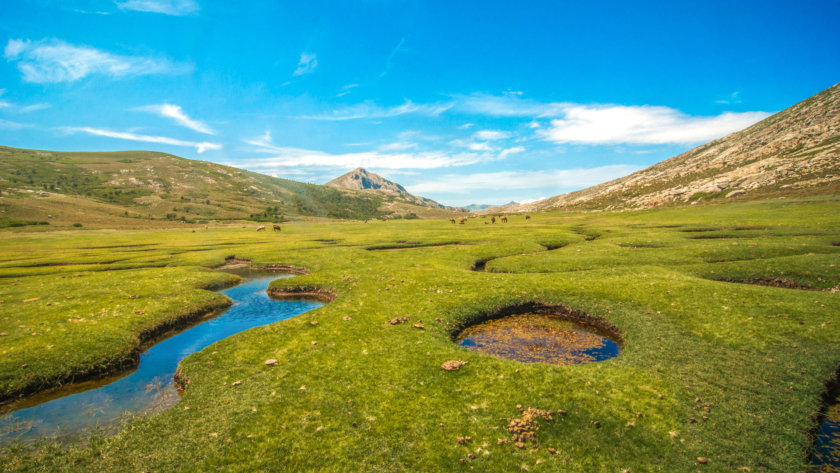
x=75, y=410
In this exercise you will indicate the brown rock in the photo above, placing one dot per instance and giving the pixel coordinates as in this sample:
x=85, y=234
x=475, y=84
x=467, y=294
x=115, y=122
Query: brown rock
x=236, y=383
x=702, y=460
x=420, y=326
x=398, y=320
x=346, y=318
x=271, y=362
x=452, y=365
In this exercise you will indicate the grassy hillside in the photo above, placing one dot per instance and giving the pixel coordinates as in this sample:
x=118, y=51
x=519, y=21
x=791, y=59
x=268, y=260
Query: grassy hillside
x=115, y=189
x=717, y=363
x=794, y=153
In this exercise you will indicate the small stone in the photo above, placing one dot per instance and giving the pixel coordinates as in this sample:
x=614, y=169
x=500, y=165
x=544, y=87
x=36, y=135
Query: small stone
x=692, y=421
x=707, y=409
x=452, y=365
x=501, y=441
x=346, y=318
x=140, y=312
x=702, y=460
x=697, y=399
x=33, y=299
x=4, y=334
x=314, y=342
x=471, y=456
x=398, y=320
x=561, y=412
x=302, y=388
x=236, y=383
x=596, y=423
x=314, y=322
x=673, y=434
x=271, y=362
x=463, y=440
x=520, y=444
x=659, y=396
x=551, y=450
x=420, y=326
x=132, y=297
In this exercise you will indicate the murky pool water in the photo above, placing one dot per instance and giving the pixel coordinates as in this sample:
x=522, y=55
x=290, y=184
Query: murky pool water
x=67, y=412
x=537, y=338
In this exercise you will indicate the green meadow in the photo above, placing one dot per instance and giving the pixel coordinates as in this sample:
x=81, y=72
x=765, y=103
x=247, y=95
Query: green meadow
x=729, y=317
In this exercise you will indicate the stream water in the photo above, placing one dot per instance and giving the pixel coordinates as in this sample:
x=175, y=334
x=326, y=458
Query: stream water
x=77, y=409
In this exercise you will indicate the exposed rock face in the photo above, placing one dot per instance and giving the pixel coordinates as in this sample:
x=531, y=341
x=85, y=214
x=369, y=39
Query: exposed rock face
x=794, y=152
x=362, y=179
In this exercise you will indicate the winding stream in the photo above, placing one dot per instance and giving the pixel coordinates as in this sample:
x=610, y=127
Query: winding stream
x=74, y=410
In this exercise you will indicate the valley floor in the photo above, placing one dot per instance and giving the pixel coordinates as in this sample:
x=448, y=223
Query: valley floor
x=729, y=315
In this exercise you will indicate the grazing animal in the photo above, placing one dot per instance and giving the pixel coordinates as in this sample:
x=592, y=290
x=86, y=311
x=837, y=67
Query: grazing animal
x=276, y=227
x=493, y=219
x=527, y=217
x=205, y=227
x=261, y=227
x=452, y=220
x=463, y=221
x=504, y=218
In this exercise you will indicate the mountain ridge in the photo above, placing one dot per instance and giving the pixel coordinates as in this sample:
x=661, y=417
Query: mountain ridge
x=793, y=152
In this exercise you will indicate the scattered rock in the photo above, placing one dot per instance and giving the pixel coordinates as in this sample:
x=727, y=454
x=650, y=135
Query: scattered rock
x=302, y=388
x=132, y=297
x=4, y=334
x=314, y=342
x=139, y=312
x=420, y=326
x=692, y=421
x=33, y=299
x=346, y=318
x=463, y=440
x=525, y=427
x=398, y=320
x=471, y=456
x=596, y=423
x=702, y=460
x=76, y=319
x=520, y=444
x=314, y=322
x=452, y=365
x=271, y=362
x=236, y=383
x=551, y=450
x=501, y=441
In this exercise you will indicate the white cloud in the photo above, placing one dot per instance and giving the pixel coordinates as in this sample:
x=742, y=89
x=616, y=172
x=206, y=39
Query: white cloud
x=32, y=108
x=308, y=62
x=284, y=157
x=167, y=7
x=294, y=157
x=733, y=98
x=397, y=146
x=56, y=61
x=504, y=106
x=10, y=125
x=560, y=179
x=369, y=110
x=176, y=113
x=613, y=124
x=199, y=147
x=488, y=135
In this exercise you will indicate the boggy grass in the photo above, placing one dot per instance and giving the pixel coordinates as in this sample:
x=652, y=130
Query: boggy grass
x=728, y=372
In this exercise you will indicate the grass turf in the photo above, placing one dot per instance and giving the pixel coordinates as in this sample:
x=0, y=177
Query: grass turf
x=370, y=396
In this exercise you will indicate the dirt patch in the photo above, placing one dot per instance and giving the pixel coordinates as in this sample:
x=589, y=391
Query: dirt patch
x=835, y=243
x=525, y=427
x=302, y=293
x=703, y=229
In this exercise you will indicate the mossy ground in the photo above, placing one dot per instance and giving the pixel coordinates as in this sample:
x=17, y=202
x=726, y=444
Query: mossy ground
x=727, y=371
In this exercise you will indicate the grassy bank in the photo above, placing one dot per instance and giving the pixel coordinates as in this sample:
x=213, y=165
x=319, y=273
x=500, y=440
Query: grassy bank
x=717, y=362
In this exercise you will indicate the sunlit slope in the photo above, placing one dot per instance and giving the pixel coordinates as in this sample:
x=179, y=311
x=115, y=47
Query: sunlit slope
x=97, y=187
x=795, y=152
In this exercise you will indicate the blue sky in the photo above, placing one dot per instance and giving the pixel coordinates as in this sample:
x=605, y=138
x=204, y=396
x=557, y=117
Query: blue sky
x=462, y=102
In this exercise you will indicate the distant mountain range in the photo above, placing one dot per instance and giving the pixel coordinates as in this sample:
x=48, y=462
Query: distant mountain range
x=361, y=179
x=477, y=207
x=117, y=188
x=795, y=152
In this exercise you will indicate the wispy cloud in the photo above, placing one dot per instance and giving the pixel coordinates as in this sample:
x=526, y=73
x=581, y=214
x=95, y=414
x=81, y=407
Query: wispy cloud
x=369, y=110
x=559, y=179
x=10, y=125
x=53, y=60
x=732, y=99
x=491, y=135
x=167, y=7
x=308, y=62
x=614, y=124
x=395, y=156
x=390, y=58
x=199, y=146
x=177, y=114
x=346, y=89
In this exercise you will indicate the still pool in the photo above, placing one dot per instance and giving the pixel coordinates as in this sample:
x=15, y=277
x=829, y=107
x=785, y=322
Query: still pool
x=538, y=338
x=74, y=410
